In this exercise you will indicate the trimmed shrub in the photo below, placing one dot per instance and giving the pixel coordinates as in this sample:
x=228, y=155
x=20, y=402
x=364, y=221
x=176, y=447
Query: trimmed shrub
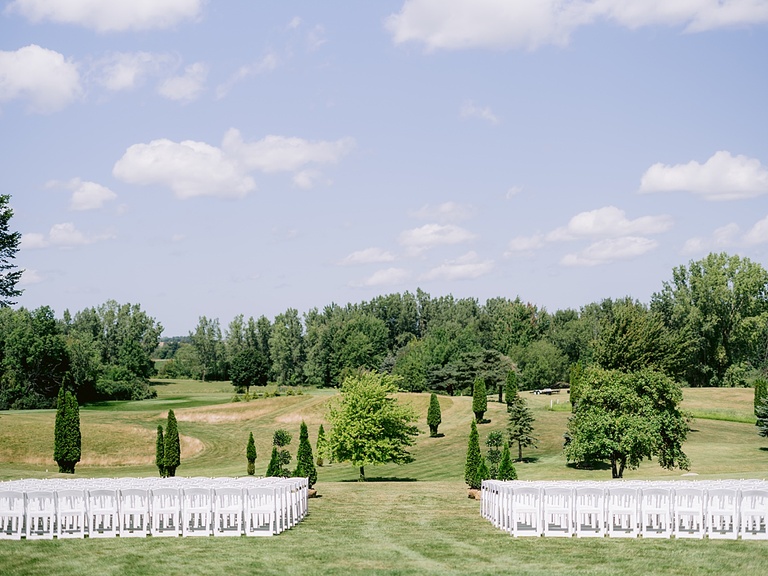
x=250, y=455
x=67, y=441
x=172, y=445
x=474, y=457
x=322, y=445
x=479, y=400
x=160, y=452
x=305, y=464
x=434, y=416
x=506, y=467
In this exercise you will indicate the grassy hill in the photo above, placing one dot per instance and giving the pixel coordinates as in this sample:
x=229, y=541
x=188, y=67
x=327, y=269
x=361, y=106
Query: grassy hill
x=412, y=519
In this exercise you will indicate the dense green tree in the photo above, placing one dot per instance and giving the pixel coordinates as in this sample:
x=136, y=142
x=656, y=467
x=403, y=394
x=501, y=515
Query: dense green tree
x=575, y=374
x=479, y=400
x=281, y=439
x=719, y=306
x=321, y=446
x=67, y=439
x=305, y=464
x=172, y=452
x=286, y=347
x=626, y=417
x=434, y=416
x=494, y=443
x=368, y=425
x=520, y=427
x=506, y=467
x=762, y=418
x=160, y=452
x=250, y=455
x=510, y=388
x=273, y=468
x=508, y=324
x=541, y=365
x=761, y=392
x=249, y=368
x=474, y=458
x=9, y=245
x=210, y=348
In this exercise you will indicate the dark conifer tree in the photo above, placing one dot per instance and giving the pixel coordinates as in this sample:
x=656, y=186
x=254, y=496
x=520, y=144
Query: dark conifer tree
x=472, y=465
x=305, y=462
x=160, y=452
x=250, y=455
x=434, y=416
x=172, y=445
x=479, y=400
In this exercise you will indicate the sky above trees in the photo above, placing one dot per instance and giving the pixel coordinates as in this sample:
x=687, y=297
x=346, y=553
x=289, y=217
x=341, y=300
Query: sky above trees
x=222, y=158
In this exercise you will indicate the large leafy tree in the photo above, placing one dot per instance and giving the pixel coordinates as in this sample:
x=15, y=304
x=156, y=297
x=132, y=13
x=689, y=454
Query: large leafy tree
x=369, y=425
x=9, y=245
x=210, y=348
x=286, y=347
x=625, y=417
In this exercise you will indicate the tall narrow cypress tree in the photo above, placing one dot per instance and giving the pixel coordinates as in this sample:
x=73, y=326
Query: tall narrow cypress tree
x=510, y=388
x=59, y=428
x=172, y=445
x=250, y=455
x=273, y=468
x=305, y=463
x=472, y=465
x=434, y=416
x=67, y=441
x=506, y=467
x=322, y=445
x=160, y=452
x=479, y=400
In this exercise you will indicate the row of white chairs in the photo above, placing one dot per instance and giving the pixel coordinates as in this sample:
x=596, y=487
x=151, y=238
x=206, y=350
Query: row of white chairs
x=681, y=509
x=139, y=507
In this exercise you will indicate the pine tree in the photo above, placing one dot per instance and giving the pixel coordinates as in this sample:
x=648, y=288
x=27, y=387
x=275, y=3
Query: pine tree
x=521, y=426
x=762, y=418
x=250, y=455
x=160, y=452
x=322, y=445
x=479, y=400
x=305, y=464
x=506, y=467
x=67, y=441
x=482, y=473
x=761, y=392
x=59, y=428
x=172, y=445
x=473, y=458
x=434, y=416
x=273, y=468
x=510, y=388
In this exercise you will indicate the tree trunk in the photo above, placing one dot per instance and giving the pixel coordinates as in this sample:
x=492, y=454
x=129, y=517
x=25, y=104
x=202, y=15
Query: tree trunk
x=362, y=474
x=500, y=392
x=519, y=451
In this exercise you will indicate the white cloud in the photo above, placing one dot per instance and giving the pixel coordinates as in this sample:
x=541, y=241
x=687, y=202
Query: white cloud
x=294, y=23
x=367, y=256
x=610, y=250
x=109, y=15
x=316, y=37
x=609, y=222
x=431, y=235
x=126, y=70
x=187, y=87
x=466, y=267
x=469, y=110
x=445, y=212
x=307, y=179
x=501, y=24
x=88, y=195
x=722, y=177
x=386, y=277
x=696, y=245
x=41, y=76
x=267, y=64
x=758, y=234
x=513, y=191
x=192, y=168
x=29, y=277
x=524, y=244
x=64, y=235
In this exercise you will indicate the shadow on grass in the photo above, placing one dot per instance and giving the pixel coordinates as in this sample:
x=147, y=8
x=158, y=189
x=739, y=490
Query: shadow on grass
x=438, y=435
x=528, y=460
x=763, y=448
x=589, y=465
x=384, y=479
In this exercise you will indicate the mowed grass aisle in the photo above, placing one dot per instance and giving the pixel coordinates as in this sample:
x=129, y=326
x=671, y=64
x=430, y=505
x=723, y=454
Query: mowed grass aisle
x=413, y=519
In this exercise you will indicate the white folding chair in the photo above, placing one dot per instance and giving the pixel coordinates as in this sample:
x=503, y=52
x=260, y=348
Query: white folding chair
x=589, y=512
x=722, y=513
x=228, y=505
x=41, y=515
x=103, y=513
x=11, y=514
x=557, y=511
x=261, y=510
x=689, y=512
x=622, y=512
x=526, y=511
x=71, y=514
x=134, y=512
x=754, y=514
x=197, y=510
x=656, y=512
x=166, y=512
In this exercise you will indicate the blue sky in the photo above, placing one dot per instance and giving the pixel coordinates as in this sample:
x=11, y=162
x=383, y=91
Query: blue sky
x=224, y=158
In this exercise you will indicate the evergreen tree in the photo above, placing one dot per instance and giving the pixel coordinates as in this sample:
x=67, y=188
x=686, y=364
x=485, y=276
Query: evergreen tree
x=160, y=452
x=473, y=458
x=273, y=468
x=479, y=400
x=322, y=445
x=575, y=375
x=434, y=416
x=762, y=418
x=305, y=464
x=506, y=467
x=250, y=455
x=482, y=472
x=67, y=441
x=9, y=245
x=281, y=439
x=172, y=445
x=521, y=426
x=494, y=443
x=510, y=388
x=761, y=392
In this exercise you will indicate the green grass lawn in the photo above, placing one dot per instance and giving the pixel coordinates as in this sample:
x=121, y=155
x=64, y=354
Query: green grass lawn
x=412, y=519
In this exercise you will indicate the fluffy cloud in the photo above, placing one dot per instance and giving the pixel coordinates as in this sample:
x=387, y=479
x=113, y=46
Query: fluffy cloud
x=445, y=212
x=609, y=222
x=722, y=177
x=431, y=235
x=466, y=267
x=469, y=110
x=41, y=76
x=109, y=15
x=524, y=244
x=186, y=87
x=367, y=256
x=126, y=70
x=457, y=24
x=88, y=195
x=758, y=234
x=610, y=250
x=192, y=168
x=29, y=277
x=64, y=235
x=386, y=277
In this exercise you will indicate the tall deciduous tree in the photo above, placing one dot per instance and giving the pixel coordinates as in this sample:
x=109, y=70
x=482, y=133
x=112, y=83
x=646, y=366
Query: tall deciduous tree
x=305, y=464
x=207, y=342
x=368, y=425
x=479, y=400
x=250, y=455
x=626, y=417
x=172, y=452
x=286, y=347
x=9, y=245
x=434, y=416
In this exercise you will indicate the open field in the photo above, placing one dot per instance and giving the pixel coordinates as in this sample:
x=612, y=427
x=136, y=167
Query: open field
x=412, y=519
